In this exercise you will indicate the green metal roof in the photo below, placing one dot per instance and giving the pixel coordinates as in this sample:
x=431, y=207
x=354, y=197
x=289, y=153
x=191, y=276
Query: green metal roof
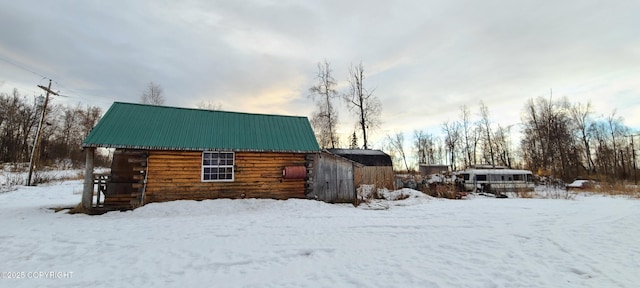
x=140, y=126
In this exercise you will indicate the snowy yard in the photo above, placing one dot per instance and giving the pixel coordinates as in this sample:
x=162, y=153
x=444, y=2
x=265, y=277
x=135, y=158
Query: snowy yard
x=591, y=241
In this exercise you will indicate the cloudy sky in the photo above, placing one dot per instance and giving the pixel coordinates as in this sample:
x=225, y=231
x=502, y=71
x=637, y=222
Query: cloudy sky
x=425, y=59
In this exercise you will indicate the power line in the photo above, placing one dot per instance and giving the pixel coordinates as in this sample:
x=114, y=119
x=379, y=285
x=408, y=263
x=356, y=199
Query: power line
x=23, y=68
x=26, y=91
x=82, y=99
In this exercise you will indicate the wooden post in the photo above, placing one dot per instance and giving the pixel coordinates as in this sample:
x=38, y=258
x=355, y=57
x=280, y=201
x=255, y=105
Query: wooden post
x=87, y=192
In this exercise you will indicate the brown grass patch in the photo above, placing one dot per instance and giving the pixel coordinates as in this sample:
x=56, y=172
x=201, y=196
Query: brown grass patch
x=442, y=191
x=80, y=209
x=618, y=189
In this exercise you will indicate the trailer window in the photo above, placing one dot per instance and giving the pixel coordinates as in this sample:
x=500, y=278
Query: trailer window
x=496, y=177
x=517, y=177
x=217, y=166
x=529, y=178
x=481, y=177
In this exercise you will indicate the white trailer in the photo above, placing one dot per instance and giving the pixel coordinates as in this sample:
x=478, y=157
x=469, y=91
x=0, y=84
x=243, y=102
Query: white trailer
x=495, y=180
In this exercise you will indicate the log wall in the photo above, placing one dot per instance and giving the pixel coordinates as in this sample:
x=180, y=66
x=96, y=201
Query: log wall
x=175, y=175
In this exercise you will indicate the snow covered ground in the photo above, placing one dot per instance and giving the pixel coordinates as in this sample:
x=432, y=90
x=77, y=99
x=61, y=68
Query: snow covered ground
x=590, y=241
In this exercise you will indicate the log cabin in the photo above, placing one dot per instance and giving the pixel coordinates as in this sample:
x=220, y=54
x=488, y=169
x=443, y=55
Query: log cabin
x=165, y=153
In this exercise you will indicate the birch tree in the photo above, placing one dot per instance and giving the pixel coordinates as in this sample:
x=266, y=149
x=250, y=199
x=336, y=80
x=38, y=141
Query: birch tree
x=325, y=118
x=362, y=103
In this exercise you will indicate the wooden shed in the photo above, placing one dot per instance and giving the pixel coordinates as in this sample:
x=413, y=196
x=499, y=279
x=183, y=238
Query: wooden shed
x=337, y=173
x=333, y=178
x=170, y=153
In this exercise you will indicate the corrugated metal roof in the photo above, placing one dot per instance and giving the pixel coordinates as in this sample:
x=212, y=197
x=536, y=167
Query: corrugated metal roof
x=140, y=126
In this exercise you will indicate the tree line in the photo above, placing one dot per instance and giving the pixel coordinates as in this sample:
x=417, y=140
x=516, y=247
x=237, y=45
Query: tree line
x=61, y=135
x=569, y=140
x=558, y=138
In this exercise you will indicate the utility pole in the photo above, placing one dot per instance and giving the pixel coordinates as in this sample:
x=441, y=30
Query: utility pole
x=34, y=150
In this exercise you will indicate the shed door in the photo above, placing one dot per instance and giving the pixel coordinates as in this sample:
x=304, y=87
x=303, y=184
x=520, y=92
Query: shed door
x=333, y=179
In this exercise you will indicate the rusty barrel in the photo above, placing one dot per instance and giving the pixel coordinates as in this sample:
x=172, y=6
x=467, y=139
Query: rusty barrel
x=294, y=172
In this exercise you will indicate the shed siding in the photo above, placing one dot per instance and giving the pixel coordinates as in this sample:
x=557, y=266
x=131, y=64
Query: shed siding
x=175, y=175
x=380, y=176
x=333, y=180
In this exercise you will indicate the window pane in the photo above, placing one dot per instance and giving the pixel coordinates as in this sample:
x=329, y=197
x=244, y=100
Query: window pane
x=217, y=166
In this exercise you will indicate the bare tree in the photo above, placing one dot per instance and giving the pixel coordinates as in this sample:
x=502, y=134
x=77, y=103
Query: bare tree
x=420, y=146
x=468, y=134
x=425, y=147
x=617, y=131
x=89, y=118
x=325, y=118
x=362, y=102
x=152, y=95
x=64, y=128
x=68, y=131
x=208, y=105
x=485, y=123
x=604, y=152
x=439, y=152
x=397, y=145
x=581, y=117
x=452, y=137
x=502, y=145
x=534, y=142
x=17, y=126
x=548, y=141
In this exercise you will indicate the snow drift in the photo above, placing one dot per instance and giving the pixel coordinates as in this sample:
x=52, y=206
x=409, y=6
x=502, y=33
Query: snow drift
x=415, y=242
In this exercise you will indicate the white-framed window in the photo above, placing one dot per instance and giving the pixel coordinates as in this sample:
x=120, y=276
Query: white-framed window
x=217, y=166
